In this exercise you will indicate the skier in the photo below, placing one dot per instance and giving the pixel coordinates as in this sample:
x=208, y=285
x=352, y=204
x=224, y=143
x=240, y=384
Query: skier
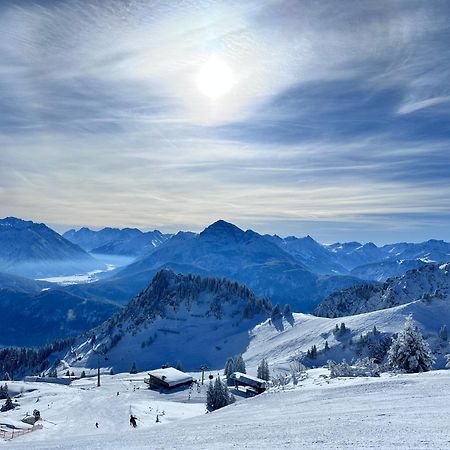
x=96, y=424
x=133, y=421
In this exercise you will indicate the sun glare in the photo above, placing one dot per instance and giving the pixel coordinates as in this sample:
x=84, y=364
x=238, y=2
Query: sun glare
x=215, y=78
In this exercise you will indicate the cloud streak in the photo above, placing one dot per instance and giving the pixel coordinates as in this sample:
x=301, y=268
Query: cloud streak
x=338, y=117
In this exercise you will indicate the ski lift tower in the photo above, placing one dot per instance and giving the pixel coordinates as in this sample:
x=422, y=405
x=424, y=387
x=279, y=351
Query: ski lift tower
x=100, y=351
x=203, y=368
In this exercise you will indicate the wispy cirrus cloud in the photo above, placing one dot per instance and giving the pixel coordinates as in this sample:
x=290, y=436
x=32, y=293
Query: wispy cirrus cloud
x=338, y=115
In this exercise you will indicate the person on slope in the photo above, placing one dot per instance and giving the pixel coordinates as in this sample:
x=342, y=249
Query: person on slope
x=133, y=422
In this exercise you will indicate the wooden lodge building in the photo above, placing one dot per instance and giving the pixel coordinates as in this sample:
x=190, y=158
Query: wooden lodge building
x=168, y=378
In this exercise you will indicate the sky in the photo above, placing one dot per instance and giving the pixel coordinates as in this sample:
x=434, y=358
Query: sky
x=290, y=117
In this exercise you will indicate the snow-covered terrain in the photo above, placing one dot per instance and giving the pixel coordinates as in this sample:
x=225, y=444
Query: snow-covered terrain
x=178, y=317
x=427, y=282
x=390, y=412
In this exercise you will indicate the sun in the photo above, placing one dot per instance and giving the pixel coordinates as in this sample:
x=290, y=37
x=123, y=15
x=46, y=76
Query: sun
x=215, y=78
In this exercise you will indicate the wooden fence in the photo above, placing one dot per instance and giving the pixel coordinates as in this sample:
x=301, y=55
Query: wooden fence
x=7, y=435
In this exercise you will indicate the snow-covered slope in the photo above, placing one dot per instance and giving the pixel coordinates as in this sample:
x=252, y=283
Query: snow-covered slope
x=428, y=281
x=391, y=413
x=283, y=341
x=178, y=317
x=34, y=250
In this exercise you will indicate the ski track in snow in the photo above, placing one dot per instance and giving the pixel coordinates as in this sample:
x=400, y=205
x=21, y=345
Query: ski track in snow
x=390, y=412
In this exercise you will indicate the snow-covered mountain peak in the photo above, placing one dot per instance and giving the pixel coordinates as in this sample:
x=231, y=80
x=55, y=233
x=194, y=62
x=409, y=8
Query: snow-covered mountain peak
x=178, y=316
x=222, y=229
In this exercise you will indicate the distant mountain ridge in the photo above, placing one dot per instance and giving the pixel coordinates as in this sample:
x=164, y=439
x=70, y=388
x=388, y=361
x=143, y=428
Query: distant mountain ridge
x=115, y=241
x=36, y=251
x=224, y=250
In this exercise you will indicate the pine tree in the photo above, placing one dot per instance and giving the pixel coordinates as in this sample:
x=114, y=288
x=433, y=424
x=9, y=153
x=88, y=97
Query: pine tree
x=133, y=368
x=179, y=365
x=8, y=404
x=276, y=312
x=229, y=368
x=409, y=351
x=443, y=333
x=111, y=371
x=3, y=392
x=68, y=373
x=326, y=347
x=218, y=395
x=83, y=374
x=287, y=313
x=239, y=364
x=263, y=371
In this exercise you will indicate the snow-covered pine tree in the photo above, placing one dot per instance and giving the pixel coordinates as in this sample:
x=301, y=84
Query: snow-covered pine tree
x=266, y=372
x=229, y=368
x=83, y=374
x=133, y=368
x=210, y=397
x=179, y=366
x=263, y=371
x=409, y=351
x=218, y=395
x=8, y=404
x=326, y=347
x=239, y=364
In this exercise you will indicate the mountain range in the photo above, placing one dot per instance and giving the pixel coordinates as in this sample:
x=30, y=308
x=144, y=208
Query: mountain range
x=36, y=251
x=115, y=241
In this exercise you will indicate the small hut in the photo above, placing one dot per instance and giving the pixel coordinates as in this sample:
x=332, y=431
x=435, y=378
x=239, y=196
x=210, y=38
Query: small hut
x=168, y=378
x=251, y=385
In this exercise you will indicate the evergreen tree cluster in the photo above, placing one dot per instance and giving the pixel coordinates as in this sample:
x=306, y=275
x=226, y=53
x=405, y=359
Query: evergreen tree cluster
x=218, y=395
x=236, y=364
x=23, y=361
x=374, y=345
x=409, y=350
x=312, y=353
x=263, y=371
x=339, y=331
x=443, y=333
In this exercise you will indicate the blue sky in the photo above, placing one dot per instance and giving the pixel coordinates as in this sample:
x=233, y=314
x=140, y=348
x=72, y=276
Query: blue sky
x=336, y=123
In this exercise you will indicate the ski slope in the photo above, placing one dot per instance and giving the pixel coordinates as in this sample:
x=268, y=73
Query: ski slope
x=280, y=341
x=390, y=412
